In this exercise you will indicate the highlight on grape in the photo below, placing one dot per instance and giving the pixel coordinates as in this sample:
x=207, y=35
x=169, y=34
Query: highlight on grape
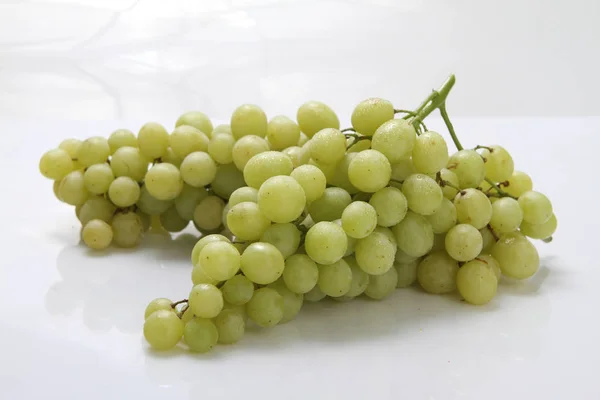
x=300, y=210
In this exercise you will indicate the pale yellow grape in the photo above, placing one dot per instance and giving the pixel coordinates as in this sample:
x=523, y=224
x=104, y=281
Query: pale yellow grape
x=71, y=146
x=407, y=273
x=245, y=193
x=246, y=221
x=463, y=242
x=96, y=207
x=163, y=181
x=127, y=229
x=220, y=148
x=423, y=195
x=231, y=326
x=151, y=205
x=327, y=169
x=237, y=290
x=414, y=235
x=56, y=164
x=313, y=116
x=158, y=304
x=499, y=165
x=282, y=132
x=163, y=330
x=395, y=139
x=370, y=171
x=266, y=307
x=198, y=120
x=240, y=309
x=403, y=169
x=436, y=273
x=476, y=282
x=153, y=140
x=199, y=276
x=200, y=334
x=97, y=178
x=360, y=279
x=208, y=213
x=129, y=161
x=311, y=179
x=468, y=167
x=94, y=150
x=327, y=146
x=516, y=255
x=390, y=205
x=203, y=242
x=186, y=139
x=281, y=199
x=443, y=218
x=300, y=273
x=537, y=209
x=72, y=188
x=381, y=286
x=55, y=187
x=326, y=242
x=517, y=184
x=298, y=155
x=121, y=138
x=335, y=279
x=286, y=237
x=506, y=215
x=351, y=241
x=248, y=119
x=246, y=148
x=450, y=177
x=541, y=231
x=473, y=207
x=359, y=219
x=265, y=165
x=97, y=234
x=171, y=158
x=489, y=239
x=340, y=176
x=198, y=169
x=430, y=153
x=262, y=263
x=492, y=263
x=124, y=192
x=227, y=180
x=223, y=128
x=369, y=114
x=314, y=295
x=292, y=302
x=375, y=253
x=387, y=232
x=205, y=300
x=220, y=260
x=171, y=221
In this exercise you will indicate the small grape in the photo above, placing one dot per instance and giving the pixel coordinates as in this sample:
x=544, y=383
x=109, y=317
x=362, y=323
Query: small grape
x=281, y=190
x=537, y=209
x=286, y=237
x=94, y=150
x=381, y=286
x=163, y=329
x=262, y=263
x=220, y=148
x=227, y=179
x=437, y=272
x=330, y=205
x=292, y=302
x=370, y=171
x=517, y=184
x=312, y=180
x=153, y=140
x=199, y=276
x=231, y=326
x=96, y=207
x=328, y=146
x=266, y=307
x=314, y=295
x=72, y=189
x=359, y=219
x=151, y=205
x=246, y=221
x=335, y=279
x=124, y=192
x=237, y=290
x=223, y=128
x=205, y=300
x=443, y=218
x=298, y=155
x=476, y=282
x=516, y=255
x=473, y=207
x=203, y=242
x=56, y=164
x=158, y=304
x=407, y=273
x=200, y=334
x=468, y=167
x=97, y=178
x=245, y=193
x=220, y=260
x=163, y=181
x=370, y=114
x=492, y=263
x=375, y=253
x=541, y=231
x=198, y=169
x=489, y=239
x=403, y=169
x=282, y=132
x=300, y=273
x=171, y=221
x=314, y=116
x=326, y=242
x=450, y=177
x=340, y=176
x=499, y=165
x=198, y=120
x=390, y=205
x=414, y=235
x=395, y=139
x=71, y=146
x=208, y=213
x=506, y=215
x=127, y=229
x=248, y=119
x=97, y=234
x=463, y=242
x=186, y=139
x=130, y=162
x=266, y=165
x=246, y=148
x=423, y=195
x=430, y=153
x=360, y=279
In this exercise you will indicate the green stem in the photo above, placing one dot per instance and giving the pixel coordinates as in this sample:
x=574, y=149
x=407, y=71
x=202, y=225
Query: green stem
x=435, y=100
x=501, y=192
x=450, y=127
x=348, y=130
x=173, y=305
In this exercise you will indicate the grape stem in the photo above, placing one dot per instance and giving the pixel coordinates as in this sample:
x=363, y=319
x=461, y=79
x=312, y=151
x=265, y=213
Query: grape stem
x=348, y=130
x=484, y=147
x=173, y=305
x=435, y=100
x=500, y=192
x=357, y=138
x=183, y=310
x=442, y=183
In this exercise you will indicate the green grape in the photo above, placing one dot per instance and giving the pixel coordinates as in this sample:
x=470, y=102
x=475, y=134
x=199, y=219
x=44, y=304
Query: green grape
x=369, y=171
x=203, y=242
x=395, y=139
x=312, y=180
x=231, y=326
x=220, y=148
x=300, y=273
x=314, y=295
x=541, y=231
x=281, y=190
x=94, y=150
x=314, y=116
x=351, y=241
x=266, y=307
x=163, y=330
x=240, y=309
x=151, y=205
x=360, y=279
x=359, y=219
x=198, y=169
x=188, y=199
x=387, y=232
x=208, y=213
x=200, y=334
x=390, y=205
x=127, y=229
x=468, y=167
x=330, y=205
x=286, y=237
x=163, y=181
x=403, y=169
x=499, y=165
x=516, y=255
x=72, y=188
x=444, y=218
x=220, y=260
x=381, y=286
x=506, y=215
x=436, y=273
x=187, y=315
x=340, y=176
x=262, y=263
x=145, y=219
x=370, y=114
x=121, y=138
x=266, y=165
x=223, y=128
x=171, y=221
x=55, y=188
x=248, y=119
x=517, y=184
x=186, y=139
x=327, y=146
x=423, y=194
x=237, y=290
x=227, y=180
x=292, y=302
x=335, y=279
x=245, y=193
x=407, y=273
x=130, y=162
x=358, y=146
x=171, y=158
x=246, y=221
x=71, y=146
x=199, y=276
x=326, y=242
x=488, y=239
x=375, y=253
x=414, y=235
x=97, y=178
x=97, y=234
x=153, y=140
x=246, y=148
x=476, y=282
x=96, y=207
x=298, y=155
x=463, y=242
x=403, y=258
x=56, y=164
x=205, y=300
x=473, y=207
x=430, y=153
x=450, y=177
x=537, y=209
x=199, y=121
x=124, y=191
x=282, y=132
x=158, y=304
x=327, y=169
x=492, y=263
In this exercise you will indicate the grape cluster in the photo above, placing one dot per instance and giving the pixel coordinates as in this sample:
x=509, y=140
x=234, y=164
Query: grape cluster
x=293, y=211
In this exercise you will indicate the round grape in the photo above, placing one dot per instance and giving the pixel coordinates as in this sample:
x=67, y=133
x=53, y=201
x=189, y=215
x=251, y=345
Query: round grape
x=248, y=119
x=499, y=165
x=312, y=180
x=395, y=139
x=262, y=263
x=266, y=165
x=369, y=114
x=158, y=304
x=237, y=290
x=444, y=218
x=430, y=153
x=130, y=162
x=97, y=234
x=231, y=326
x=516, y=255
x=153, y=140
x=326, y=242
x=282, y=132
x=186, y=139
x=369, y=171
x=300, y=273
x=390, y=205
x=220, y=260
x=200, y=334
x=381, y=286
x=423, y=195
x=468, y=167
x=314, y=116
x=506, y=215
x=375, y=253
x=541, y=231
x=473, y=207
x=163, y=329
x=246, y=148
x=463, y=242
x=198, y=120
x=414, y=235
x=205, y=300
x=537, y=209
x=335, y=279
x=266, y=307
x=281, y=199
x=56, y=164
x=327, y=146
x=437, y=273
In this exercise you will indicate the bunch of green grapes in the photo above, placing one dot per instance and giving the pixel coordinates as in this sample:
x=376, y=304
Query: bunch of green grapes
x=293, y=211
